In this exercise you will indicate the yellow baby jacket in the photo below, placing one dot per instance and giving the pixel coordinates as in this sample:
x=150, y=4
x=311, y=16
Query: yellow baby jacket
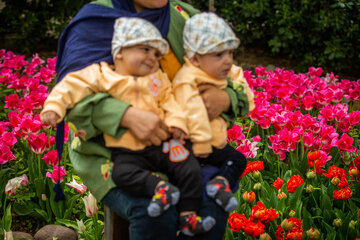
x=204, y=133
x=151, y=93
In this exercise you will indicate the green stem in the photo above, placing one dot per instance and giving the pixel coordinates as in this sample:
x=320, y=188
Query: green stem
x=250, y=128
x=317, y=206
x=278, y=165
x=95, y=218
x=39, y=165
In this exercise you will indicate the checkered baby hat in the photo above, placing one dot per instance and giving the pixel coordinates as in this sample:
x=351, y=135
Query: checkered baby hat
x=133, y=31
x=207, y=33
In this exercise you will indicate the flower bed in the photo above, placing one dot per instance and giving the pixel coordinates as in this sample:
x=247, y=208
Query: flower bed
x=301, y=140
x=28, y=159
x=302, y=178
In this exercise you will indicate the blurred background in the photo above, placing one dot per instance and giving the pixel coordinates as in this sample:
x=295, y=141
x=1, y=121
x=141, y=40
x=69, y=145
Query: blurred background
x=274, y=33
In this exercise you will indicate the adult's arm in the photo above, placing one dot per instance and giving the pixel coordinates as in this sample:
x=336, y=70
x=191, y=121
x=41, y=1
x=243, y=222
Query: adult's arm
x=101, y=113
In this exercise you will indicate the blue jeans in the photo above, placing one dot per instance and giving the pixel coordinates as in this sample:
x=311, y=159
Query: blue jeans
x=164, y=227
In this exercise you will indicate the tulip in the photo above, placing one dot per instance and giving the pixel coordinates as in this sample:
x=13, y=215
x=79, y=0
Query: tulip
x=55, y=174
x=292, y=213
x=354, y=171
x=313, y=233
x=352, y=224
x=309, y=188
x=286, y=225
x=282, y=195
x=257, y=186
x=310, y=175
x=43, y=197
x=337, y=222
x=14, y=183
x=265, y=236
x=80, y=188
x=90, y=205
x=51, y=157
x=81, y=226
x=256, y=174
x=335, y=181
x=249, y=197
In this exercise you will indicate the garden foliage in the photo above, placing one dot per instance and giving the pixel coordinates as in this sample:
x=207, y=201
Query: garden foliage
x=317, y=33
x=35, y=24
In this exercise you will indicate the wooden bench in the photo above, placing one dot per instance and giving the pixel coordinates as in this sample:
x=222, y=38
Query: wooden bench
x=115, y=228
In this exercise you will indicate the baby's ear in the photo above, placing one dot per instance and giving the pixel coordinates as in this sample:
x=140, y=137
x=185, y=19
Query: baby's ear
x=195, y=60
x=118, y=55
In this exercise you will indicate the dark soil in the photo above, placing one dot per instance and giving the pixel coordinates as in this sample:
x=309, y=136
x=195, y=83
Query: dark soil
x=26, y=224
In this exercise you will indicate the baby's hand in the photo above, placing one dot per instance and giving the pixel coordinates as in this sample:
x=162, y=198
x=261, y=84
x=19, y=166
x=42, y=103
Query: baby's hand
x=178, y=134
x=49, y=117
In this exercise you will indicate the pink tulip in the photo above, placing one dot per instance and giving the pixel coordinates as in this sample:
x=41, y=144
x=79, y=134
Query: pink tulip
x=264, y=123
x=260, y=71
x=235, y=133
x=80, y=188
x=11, y=101
x=354, y=118
x=345, y=143
x=14, y=118
x=315, y=72
x=249, y=149
x=8, y=139
x=51, y=157
x=5, y=154
x=55, y=174
x=345, y=125
x=44, y=75
x=38, y=143
x=308, y=139
x=308, y=102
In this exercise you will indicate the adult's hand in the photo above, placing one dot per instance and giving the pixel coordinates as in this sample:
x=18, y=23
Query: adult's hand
x=216, y=100
x=145, y=125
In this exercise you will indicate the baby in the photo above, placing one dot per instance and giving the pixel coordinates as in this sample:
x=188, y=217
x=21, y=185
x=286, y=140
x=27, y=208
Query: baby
x=209, y=44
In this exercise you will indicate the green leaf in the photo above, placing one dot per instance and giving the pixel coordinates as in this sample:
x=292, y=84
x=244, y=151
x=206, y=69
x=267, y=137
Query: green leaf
x=25, y=207
x=43, y=214
x=331, y=235
x=68, y=223
x=295, y=197
x=325, y=202
x=69, y=205
x=307, y=219
x=7, y=218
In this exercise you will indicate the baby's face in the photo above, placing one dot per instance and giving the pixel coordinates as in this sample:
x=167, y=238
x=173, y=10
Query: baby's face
x=138, y=60
x=217, y=65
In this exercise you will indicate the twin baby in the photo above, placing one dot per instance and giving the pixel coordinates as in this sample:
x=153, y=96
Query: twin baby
x=136, y=78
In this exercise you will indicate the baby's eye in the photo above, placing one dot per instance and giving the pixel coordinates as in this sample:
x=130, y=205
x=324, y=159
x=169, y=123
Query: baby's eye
x=219, y=54
x=145, y=49
x=157, y=55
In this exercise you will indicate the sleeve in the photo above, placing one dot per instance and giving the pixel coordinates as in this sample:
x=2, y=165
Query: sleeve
x=96, y=114
x=240, y=83
x=196, y=116
x=174, y=116
x=239, y=103
x=72, y=89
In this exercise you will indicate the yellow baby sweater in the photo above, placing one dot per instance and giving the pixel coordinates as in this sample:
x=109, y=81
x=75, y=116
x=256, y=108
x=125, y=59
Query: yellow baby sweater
x=151, y=93
x=204, y=133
